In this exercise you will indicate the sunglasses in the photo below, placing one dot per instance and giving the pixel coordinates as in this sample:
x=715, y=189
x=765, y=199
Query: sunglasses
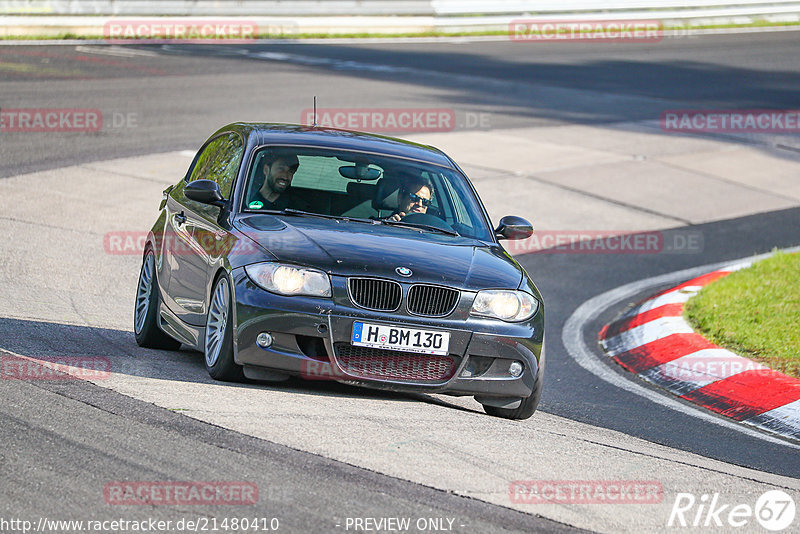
x=416, y=198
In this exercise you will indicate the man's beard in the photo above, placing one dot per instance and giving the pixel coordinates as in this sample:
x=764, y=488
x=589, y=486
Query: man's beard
x=279, y=184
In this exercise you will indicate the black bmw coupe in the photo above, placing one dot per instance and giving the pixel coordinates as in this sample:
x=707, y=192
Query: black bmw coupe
x=336, y=255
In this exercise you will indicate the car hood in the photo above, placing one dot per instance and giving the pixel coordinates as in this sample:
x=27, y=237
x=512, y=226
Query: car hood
x=356, y=248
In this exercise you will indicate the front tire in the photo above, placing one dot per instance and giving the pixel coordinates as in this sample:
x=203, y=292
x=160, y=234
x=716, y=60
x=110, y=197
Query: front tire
x=218, y=340
x=529, y=404
x=145, y=314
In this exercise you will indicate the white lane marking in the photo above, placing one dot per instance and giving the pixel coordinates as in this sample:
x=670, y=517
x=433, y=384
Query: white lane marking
x=116, y=51
x=646, y=333
x=572, y=337
x=338, y=64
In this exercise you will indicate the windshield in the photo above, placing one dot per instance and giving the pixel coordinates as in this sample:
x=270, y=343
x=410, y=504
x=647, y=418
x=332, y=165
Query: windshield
x=357, y=185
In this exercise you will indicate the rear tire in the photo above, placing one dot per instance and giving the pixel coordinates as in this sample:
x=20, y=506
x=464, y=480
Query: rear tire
x=145, y=314
x=529, y=404
x=218, y=339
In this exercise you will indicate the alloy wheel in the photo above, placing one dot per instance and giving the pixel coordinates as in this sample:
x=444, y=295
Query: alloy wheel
x=143, y=292
x=216, y=322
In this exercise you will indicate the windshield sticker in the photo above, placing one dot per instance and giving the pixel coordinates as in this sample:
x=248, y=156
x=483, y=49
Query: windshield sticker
x=256, y=205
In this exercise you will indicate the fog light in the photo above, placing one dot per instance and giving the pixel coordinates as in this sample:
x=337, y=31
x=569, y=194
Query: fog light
x=264, y=340
x=515, y=369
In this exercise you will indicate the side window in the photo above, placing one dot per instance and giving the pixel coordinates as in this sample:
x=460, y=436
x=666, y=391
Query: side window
x=220, y=162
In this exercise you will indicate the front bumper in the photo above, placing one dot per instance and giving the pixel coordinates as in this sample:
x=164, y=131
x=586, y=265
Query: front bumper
x=311, y=339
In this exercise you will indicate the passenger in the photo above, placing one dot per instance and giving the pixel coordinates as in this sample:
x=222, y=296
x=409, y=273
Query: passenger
x=277, y=171
x=414, y=196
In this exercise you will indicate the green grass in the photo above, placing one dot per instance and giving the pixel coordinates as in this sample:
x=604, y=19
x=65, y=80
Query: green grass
x=754, y=312
x=367, y=35
x=480, y=33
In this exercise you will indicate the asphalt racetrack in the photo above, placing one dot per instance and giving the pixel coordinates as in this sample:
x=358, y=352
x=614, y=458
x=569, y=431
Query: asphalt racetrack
x=565, y=134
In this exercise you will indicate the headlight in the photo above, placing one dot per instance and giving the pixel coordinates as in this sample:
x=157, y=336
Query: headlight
x=289, y=280
x=505, y=304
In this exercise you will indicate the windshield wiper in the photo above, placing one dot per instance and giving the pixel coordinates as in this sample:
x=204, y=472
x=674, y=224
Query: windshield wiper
x=423, y=226
x=301, y=213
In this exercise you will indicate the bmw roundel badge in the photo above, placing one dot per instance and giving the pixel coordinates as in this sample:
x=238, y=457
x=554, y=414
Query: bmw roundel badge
x=403, y=271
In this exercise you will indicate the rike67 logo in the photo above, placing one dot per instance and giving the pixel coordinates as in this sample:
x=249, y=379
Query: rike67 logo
x=774, y=510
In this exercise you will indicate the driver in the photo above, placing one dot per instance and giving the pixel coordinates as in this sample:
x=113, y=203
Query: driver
x=277, y=171
x=414, y=196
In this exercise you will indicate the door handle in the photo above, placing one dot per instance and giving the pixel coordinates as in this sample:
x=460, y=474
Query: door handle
x=180, y=218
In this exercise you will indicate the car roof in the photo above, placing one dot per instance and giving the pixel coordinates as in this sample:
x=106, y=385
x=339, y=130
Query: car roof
x=293, y=134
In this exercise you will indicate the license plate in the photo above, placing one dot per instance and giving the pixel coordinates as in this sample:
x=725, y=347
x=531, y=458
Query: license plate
x=380, y=336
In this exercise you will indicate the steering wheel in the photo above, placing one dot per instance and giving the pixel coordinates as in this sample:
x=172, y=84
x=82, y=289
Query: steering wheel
x=428, y=220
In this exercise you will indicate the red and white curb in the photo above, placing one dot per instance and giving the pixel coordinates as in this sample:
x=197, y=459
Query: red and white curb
x=653, y=341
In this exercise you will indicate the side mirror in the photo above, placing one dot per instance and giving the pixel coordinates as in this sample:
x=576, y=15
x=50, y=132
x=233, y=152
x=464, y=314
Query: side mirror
x=205, y=192
x=512, y=227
